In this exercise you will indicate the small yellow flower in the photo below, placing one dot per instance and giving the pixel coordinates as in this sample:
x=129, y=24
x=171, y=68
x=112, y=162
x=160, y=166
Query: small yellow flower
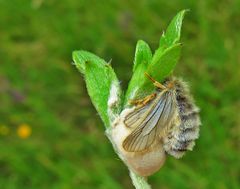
x=4, y=130
x=24, y=131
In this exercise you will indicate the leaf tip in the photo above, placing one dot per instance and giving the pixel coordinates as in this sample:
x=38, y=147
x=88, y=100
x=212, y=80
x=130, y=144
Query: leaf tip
x=74, y=55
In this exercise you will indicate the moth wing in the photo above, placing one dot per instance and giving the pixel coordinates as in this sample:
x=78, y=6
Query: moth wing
x=167, y=112
x=134, y=118
x=137, y=142
x=157, y=117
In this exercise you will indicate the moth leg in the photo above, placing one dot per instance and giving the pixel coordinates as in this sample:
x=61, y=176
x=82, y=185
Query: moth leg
x=155, y=83
x=144, y=101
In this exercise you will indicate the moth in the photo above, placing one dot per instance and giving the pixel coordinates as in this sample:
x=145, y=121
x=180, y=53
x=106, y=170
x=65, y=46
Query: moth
x=166, y=121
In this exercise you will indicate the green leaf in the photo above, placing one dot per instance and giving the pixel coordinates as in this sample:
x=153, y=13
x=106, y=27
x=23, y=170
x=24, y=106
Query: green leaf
x=81, y=57
x=173, y=33
x=143, y=54
x=143, y=57
x=160, y=65
x=164, y=62
x=139, y=86
x=99, y=77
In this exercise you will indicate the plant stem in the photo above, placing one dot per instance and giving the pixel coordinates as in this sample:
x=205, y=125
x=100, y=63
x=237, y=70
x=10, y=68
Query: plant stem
x=139, y=182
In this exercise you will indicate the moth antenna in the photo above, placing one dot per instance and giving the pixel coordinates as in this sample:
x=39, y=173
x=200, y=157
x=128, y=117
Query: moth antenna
x=155, y=83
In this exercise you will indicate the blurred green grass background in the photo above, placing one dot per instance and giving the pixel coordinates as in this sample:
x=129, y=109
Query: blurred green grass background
x=50, y=134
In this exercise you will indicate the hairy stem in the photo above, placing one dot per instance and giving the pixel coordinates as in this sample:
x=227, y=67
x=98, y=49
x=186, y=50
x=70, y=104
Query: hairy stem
x=139, y=182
